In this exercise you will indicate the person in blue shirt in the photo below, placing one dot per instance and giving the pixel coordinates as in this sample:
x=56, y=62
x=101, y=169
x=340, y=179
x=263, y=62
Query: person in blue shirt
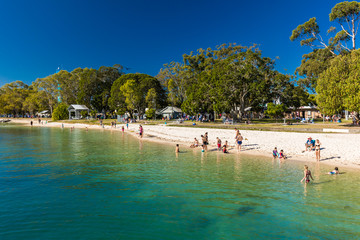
x=310, y=144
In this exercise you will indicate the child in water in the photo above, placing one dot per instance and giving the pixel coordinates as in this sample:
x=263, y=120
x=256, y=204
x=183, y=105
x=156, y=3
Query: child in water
x=177, y=148
x=282, y=155
x=275, y=153
x=224, y=149
x=218, y=143
x=122, y=128
x=335, y=171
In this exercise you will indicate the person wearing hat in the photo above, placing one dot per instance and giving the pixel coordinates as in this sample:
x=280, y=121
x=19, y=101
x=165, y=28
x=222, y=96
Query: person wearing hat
x=310, y=144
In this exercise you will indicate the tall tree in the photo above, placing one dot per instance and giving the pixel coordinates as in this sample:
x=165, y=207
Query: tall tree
x=346, y=14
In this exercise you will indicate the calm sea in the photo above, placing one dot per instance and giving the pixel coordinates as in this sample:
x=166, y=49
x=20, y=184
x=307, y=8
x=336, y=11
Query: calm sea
x=62, y=184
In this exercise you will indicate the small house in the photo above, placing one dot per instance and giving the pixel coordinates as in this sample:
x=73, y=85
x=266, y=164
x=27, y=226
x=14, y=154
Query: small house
x=75, y=111
x=171, y=112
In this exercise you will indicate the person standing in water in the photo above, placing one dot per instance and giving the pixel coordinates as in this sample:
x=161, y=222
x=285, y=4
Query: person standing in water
x=239, y=140
x=177, y=148
x=317, y=150
x=141, y=131
x=307, y=175
x=218, y=143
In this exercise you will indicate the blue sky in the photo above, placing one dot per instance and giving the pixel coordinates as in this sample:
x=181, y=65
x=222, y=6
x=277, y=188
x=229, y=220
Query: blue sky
x=38, y=36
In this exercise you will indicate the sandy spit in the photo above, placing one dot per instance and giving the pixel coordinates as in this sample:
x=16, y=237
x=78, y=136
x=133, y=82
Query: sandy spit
x=336, y=149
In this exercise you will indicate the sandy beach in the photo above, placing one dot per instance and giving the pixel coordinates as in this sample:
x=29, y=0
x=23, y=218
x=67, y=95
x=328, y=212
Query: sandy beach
x=336, y=149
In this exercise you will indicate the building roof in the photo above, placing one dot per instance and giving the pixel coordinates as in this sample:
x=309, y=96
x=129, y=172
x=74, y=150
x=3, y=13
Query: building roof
x=170, y=110
x=78, y=107
x=44, y=112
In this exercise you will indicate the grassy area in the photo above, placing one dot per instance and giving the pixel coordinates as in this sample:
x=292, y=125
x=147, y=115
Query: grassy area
x=262, y=125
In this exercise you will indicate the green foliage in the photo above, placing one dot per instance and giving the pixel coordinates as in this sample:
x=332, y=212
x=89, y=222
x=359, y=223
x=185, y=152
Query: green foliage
x=151, y=97
x=339, y=86
x=150, y=113
x=60, y=112
x=12, y=97
x=307, y=32
x=130, y=90
x=139, y=87
x=275, y=111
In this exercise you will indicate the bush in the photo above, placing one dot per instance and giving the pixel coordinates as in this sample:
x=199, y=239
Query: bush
x=275, y=111
x=61, y=112
x=150, y=113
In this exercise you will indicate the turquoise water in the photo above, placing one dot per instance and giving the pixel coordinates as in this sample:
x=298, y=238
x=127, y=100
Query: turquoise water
x=58, y=184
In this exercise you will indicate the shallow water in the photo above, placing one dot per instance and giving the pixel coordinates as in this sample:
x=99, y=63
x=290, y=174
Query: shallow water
x=58, y=184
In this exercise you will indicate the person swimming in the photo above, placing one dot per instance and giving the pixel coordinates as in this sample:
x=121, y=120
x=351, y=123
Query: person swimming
x=335, y=171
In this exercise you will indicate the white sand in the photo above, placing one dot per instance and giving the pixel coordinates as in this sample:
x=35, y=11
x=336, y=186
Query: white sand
x=337, y=149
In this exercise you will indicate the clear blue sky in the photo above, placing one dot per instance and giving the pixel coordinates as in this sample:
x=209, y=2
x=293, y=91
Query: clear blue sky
x=38, y=36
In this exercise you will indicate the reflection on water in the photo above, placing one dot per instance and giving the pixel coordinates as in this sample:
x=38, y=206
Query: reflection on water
x=63, y=184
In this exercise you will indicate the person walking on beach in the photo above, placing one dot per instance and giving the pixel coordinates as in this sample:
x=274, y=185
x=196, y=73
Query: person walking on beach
x=239, y=140
x=218, y=143
x=307, y=175
x=141, y=131
x=317, y=150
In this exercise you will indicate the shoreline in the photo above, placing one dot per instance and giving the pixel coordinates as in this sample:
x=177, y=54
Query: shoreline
x=259, y=143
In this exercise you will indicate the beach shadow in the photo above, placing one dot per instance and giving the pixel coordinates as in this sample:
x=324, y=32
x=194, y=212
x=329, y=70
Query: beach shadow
x=329, y=158
x=251, y=144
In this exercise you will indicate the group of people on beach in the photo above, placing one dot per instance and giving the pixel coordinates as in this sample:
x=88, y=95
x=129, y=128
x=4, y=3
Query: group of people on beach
x=311, y=145
x=220, y=147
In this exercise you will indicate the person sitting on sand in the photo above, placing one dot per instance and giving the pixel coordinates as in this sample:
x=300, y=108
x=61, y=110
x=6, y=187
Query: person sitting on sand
x=224, y=149
x=282, y=155
x=310, y=144
x=275, y=153
x=335, y=171
x=177, y=148
x=307, y=175
x=196, y=142
x=218, y=143
x=226, y=144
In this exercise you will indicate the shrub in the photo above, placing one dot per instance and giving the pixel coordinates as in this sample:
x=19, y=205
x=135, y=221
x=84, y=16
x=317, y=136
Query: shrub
x=61, y=112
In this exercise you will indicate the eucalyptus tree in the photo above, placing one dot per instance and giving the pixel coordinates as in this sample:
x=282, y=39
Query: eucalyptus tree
x=139, y=86
x=12, y=97
x=48, y=88
x=346, y=14
x=339, y=86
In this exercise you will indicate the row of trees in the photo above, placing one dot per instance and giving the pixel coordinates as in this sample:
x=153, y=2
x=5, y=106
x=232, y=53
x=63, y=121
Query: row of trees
x=230, y=78
x=104, y=90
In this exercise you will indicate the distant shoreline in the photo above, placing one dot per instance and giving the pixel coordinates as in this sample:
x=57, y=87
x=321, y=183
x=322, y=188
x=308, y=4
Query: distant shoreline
x=259, y=143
